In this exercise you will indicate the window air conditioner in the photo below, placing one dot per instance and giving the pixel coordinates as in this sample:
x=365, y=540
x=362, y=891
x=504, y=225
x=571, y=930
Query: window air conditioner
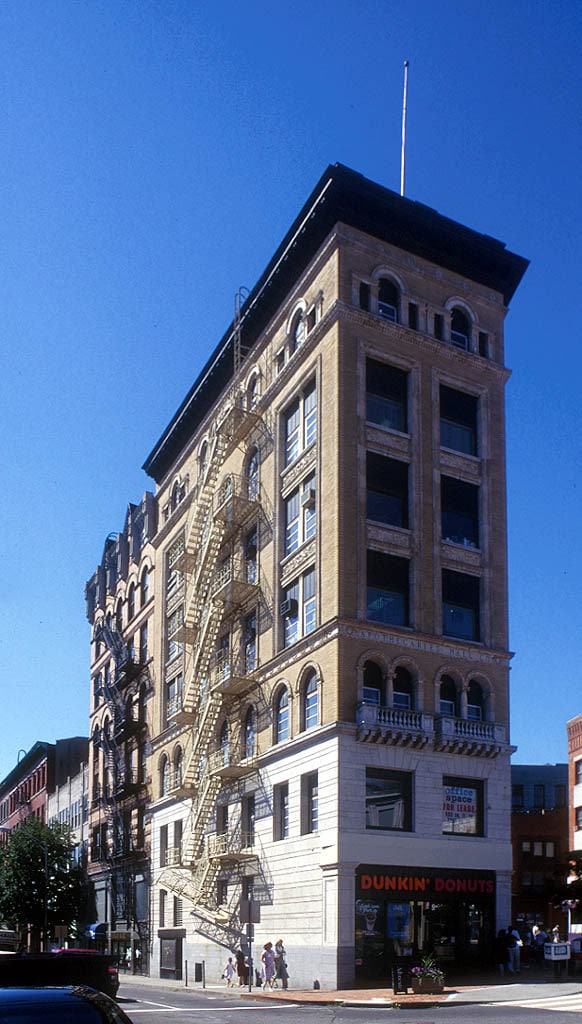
x=288, y=608
x=308, y=498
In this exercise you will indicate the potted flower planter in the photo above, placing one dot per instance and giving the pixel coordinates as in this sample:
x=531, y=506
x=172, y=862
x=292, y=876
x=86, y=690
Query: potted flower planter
x=423, y=983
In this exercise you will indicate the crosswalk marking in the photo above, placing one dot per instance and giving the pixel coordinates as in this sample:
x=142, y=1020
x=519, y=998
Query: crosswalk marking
x=566, y=1004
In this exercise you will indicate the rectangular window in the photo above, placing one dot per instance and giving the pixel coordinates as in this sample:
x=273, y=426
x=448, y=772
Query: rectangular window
x=163, y=845
x=550, y=850
x=413, y=316
x=309, y=803
x=525, y=846
x=178, y=912
x=388, y=800
x=517, y=797
x=174, y=697
x=387, y=591
x=386, y=395
x=299, y=608
x=386, y=490
x=163, y=900
x=248, y=817
x=560, y=795
x=460, y=605
x=578, y=818
x=484, y=344
x=459, y=512
x=174, y=626
x=292, y=523
x=251, y=553
x=462, y=806
x=281, y=811
x=222, y=892
x=364, y=296
x=539, y=797
x=300, y=424
x=300, y=515
x=174, y=578
x=538, y=849
x=250, y=642
x=458, y=421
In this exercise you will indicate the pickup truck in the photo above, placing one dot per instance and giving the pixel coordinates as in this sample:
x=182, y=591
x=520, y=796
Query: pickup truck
x=67, y=967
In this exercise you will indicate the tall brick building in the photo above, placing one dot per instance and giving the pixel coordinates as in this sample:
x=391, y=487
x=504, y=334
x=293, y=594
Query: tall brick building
x=329, y=675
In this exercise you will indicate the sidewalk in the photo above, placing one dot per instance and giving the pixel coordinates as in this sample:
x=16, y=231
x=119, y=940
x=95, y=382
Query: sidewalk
x=485, y=988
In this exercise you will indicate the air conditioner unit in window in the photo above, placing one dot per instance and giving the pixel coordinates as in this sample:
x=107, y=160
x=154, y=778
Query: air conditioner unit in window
x=308, y=498
x=288, y=608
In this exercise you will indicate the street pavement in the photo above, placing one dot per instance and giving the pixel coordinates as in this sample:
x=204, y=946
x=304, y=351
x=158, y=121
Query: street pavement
x=486, y=988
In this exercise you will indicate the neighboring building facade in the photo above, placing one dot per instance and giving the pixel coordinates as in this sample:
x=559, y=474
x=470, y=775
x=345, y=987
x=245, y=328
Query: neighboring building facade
x=329, y=721
x=119, y=598
x=540, y=839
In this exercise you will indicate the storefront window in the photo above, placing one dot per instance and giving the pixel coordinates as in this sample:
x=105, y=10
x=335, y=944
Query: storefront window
x=462, y=806
x=388, y=799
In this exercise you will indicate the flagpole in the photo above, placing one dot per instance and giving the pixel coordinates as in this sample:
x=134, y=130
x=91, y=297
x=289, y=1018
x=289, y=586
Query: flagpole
x=404, y=102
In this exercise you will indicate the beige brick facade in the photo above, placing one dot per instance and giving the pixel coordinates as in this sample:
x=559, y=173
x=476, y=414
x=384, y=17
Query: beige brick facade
x=329, y=631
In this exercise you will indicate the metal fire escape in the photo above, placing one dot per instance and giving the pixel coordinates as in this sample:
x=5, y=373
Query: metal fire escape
x=121, y=781
x=218, y=583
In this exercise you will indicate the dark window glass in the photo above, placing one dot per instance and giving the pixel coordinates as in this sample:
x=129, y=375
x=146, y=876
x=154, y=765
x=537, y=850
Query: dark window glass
x=364, y=295
x=539, y=797
x=484, y=344
x=439, y=326
x=387, y=593
x=517, y=797
x=386, y=490
x=403, y=689
x=460, y=329
x=460, y=512
x=448, y=697
x=373, y=684
x=458, y=413
x=413, y=316
x=388, y=300
x=460, y=605
x=388, y=800
x=386, y=395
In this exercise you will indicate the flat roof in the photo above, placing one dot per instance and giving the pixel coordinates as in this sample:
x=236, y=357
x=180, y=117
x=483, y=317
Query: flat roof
x=341, y=195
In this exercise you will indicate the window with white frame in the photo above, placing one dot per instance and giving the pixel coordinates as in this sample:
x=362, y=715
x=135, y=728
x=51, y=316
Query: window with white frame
x=299, y=608
x=300, y=423
x=281, y=811
x=174, y=626
x=174, y=578
x=309, y=803
x=300, y=515
x=310, y=709
x=282, y=717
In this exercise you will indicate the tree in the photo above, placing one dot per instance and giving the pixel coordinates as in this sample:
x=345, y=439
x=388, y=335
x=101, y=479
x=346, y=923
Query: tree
x=39, y=885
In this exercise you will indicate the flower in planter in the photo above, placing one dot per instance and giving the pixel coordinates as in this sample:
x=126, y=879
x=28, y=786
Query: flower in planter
x=428, y=969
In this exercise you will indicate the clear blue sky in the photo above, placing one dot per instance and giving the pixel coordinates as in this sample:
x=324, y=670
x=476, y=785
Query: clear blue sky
x=152, y=155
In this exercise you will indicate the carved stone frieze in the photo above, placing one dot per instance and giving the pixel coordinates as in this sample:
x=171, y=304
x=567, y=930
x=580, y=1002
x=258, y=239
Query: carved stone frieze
x=297, y=562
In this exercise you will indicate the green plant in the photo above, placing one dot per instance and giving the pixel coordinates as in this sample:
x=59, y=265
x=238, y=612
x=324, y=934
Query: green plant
x=428, y=969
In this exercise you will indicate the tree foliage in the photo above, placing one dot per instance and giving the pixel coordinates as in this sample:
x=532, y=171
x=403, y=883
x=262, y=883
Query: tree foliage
x=38, y=882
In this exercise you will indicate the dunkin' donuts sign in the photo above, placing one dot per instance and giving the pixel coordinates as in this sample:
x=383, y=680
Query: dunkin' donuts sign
x=429, y=883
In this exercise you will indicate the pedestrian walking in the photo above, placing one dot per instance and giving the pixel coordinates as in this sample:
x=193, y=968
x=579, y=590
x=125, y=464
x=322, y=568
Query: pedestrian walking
x=501, y=952
x=281, y=972
x=268, y=961
x=229, y=973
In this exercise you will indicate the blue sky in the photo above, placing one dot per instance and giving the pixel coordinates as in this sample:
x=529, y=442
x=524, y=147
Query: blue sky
x=152, y=155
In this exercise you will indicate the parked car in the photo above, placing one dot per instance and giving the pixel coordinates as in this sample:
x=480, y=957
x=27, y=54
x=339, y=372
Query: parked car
x=68, y=967
x=75, y=1005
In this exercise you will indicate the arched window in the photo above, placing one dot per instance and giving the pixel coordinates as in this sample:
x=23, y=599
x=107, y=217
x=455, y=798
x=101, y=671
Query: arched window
x=164, y=776
x=403, y=689
x=449, y=703
x=253, y=475
x=145, y=586
x=202, y=458
x=298, y=332
x=388, y=300
x=282, y=717
x=373, y=692
x=460, y=328
x=178, y=767
x=119, y=615
x=475, y=701
x=250, y=733
x=131, y=602
x=253, y=391
x=224, y=742
x=310, y=710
